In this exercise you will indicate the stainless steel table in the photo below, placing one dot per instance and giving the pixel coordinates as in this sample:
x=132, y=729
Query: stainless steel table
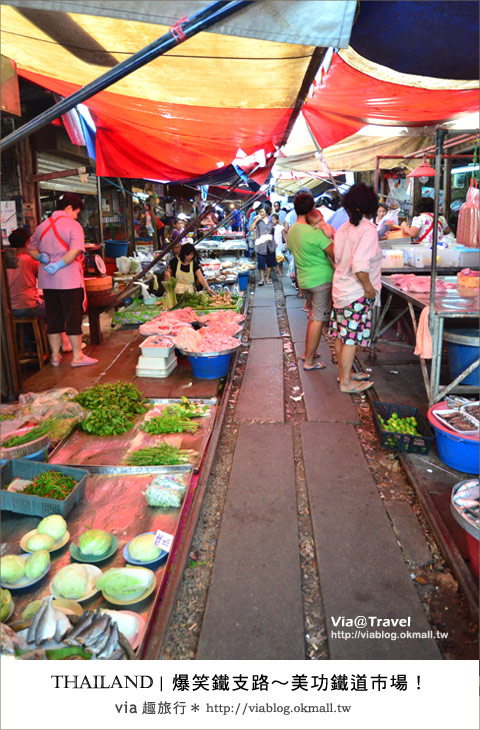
x=453, y=304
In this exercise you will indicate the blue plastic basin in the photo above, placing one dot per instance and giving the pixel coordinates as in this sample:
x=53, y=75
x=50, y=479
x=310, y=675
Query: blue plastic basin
x=243, y=281
x=209, y=368
x=458, y=453
x=114, y=249
x=462, y=348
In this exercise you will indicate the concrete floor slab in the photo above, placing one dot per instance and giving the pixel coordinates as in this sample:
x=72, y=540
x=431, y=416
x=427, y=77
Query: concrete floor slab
x=264, y=296
x=288, y=287
x=261, y=394
x=294, y=302
x=409, y=532
x=362, y=570
x=264, y=322
x=297, y=321
x=254, y=605
x=322, y=397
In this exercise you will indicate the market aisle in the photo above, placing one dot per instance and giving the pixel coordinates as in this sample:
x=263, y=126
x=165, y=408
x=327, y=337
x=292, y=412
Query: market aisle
x=254, y=605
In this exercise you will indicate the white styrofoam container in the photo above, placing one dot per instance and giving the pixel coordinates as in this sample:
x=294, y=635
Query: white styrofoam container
x=143, y=372
x=150, y=349
x=469, y=257
x=448, y=257
x=156, y=363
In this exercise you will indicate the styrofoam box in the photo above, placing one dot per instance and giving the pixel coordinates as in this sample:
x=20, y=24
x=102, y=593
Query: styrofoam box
x=469, y=257
x=151, y=350
x=143, y=372
x=156, y=363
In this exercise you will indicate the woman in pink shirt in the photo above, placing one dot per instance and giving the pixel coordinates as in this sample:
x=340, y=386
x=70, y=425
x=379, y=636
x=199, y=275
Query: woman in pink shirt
x=58, y=244
x=356, y=283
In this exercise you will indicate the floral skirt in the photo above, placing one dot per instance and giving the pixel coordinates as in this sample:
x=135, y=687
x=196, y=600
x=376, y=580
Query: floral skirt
x=353, y=323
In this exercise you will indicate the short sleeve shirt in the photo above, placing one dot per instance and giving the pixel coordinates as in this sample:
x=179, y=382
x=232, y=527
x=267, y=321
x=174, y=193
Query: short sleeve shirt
x=424, y=223
x=71, y=232
x=308, y=245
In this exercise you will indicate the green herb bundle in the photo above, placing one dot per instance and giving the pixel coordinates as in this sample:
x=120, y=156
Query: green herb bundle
x=108, y=421
x=189, y=409
x=168, y=422
x=163, y=454
x=51, y=484
x=170, y=295
x=125, y=396
x=35, y=433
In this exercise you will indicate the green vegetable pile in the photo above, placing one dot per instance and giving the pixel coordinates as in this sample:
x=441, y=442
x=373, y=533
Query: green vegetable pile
x=113, y=408
x=51, y=484
x=163, y=454
x=175, y=418
x=170, y=295
x=190, y=410
x=400, y=425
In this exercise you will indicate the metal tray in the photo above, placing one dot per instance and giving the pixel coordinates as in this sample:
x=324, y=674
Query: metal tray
x=92, y=452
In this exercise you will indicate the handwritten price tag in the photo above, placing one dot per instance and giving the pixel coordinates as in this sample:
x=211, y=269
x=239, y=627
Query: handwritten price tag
x=163, y=540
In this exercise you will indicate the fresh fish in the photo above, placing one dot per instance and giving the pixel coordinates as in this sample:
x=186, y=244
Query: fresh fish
x=47, y=625
x=465, y=502
x=117, y=654
x=97, y=646
x=63, y=625
x=111, y=645
x=34, y=624
x=98, y=626
x=84, y=621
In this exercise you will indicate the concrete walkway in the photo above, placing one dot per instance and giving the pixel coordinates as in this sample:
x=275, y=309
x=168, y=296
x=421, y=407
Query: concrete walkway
x=254, y=605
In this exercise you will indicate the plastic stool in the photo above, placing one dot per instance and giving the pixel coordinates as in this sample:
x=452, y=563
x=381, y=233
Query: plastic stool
x=41, y=340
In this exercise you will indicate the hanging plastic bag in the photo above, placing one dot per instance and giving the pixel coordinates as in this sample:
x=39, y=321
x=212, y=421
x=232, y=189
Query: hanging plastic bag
x=468, y=218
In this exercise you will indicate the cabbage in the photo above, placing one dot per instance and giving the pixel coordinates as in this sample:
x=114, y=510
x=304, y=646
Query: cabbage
x=37, y=563
x=94, y=542
x=12, y=568
x=141, y=548
x=71, y=581
x=39, y=542
x=53, y=525
x=6, y=604
x=157, y=496
x=125, y=584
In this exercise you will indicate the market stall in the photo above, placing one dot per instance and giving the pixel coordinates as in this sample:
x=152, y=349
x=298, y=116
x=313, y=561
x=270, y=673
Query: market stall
x=450, y=303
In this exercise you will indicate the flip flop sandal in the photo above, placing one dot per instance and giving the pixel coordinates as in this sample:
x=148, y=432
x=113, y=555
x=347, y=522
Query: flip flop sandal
x=358, y=388
x=56, y=363
x=261, y=283
x=83, y=363
x=318, y=366
x=361, y=377
x=317, y=354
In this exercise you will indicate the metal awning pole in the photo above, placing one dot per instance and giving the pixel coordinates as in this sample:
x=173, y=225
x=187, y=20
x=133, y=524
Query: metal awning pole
x=439, y=137
x=212, y=14
x=319, y=155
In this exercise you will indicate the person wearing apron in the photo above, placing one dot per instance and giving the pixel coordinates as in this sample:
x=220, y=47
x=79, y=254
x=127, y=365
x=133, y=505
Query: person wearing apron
x=58, y=244
x=187, y=271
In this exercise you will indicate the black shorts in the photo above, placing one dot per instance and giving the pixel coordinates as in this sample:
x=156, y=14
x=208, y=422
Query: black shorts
x=64, y=310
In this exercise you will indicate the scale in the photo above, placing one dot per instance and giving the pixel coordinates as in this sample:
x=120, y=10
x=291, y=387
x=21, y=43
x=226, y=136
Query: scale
x=93, y=263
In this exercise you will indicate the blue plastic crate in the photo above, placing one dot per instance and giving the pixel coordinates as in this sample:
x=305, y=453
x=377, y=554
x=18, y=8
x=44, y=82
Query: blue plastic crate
x=243, y=281
x=418, y=444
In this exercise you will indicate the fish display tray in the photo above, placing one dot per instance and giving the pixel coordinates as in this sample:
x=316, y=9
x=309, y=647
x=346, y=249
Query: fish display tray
x=85, y=450
x=418, y=444
x=29, y=504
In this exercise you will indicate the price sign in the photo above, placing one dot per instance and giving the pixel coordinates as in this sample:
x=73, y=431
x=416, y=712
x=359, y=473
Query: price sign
x=163, y=540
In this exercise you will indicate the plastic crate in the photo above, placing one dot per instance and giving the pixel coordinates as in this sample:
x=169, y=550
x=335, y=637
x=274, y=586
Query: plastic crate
x=29, y=504
x=402, y=441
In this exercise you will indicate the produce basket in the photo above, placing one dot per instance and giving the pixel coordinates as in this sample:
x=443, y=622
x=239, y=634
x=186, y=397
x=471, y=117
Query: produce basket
x=412, y=444
x=29, y=504
x=24, y=450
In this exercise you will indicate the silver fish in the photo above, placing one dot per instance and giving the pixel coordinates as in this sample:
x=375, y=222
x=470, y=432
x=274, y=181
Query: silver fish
x=111, y=645
x=84, y=621
x=63, y=625
x=99, y=625
x=97, y=646
x=34, y=624
x=47, y=625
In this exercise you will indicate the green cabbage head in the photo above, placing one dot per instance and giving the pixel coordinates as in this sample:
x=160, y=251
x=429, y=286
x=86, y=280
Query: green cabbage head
x=39, y=542
x=37, y=563
x=12, y=568
x=94, y=542
x=71, y=581
x=53, y=525
x=125, y=584
x=141, y=548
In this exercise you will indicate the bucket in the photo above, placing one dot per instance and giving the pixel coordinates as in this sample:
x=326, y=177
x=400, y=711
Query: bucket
x=462, y=347
x=457, y=452
x=210, y=367
x=114, y=249
x=243, y=281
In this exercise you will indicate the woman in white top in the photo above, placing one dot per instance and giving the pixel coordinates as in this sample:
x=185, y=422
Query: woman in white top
x=356, y=283
x=422, y=224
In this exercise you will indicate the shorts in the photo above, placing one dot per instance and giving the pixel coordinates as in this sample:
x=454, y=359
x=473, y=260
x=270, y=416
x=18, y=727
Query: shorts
x=64, y=310
x=353, y=323
x=319, y=302
x=269, y=258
